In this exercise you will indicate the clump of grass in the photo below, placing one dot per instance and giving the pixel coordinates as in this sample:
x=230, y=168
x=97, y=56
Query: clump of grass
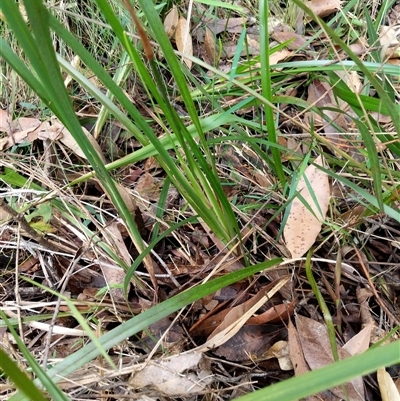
x=199, y=155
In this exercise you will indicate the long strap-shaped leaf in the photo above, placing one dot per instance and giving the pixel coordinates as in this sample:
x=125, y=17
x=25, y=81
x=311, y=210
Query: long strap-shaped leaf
x=145, y=319
x=47, y=82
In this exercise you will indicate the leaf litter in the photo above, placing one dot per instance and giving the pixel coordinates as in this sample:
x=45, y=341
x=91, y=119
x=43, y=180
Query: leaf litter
x=280, y=334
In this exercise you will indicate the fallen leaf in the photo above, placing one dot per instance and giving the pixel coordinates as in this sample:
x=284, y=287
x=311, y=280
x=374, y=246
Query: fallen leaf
x=387, y=387
x=231, y=25
x=302, y=227
x=317, y=351
x=250, y=342
x=299, y=363
x=280, y=350
x=238, y=315
x=322, y=8
x=4, y=121
x=281, y=34
x=183, y=40
x=171, y=376
x=58, y=132
x=276, y=314
x=278, y=56
x=209, y=45
x=25, y=124
x=390, y=42
x=115, y=238
x=147, y=188
x=320, y=95
x=171, y=21
x=237, y=312
x=24, y=130
x=360, y=342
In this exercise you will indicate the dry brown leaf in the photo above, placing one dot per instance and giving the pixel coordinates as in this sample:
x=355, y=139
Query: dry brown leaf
x=207, y=324
x=360, y=342
x=238, y=316
x=322, y=8
x=317, y=351
x=4, y=121
x=4, y=216
x=390, y=42
x=387, y=387
x=297, y=359
x=147, y=188
x=250, y=342
x=237, y=312
x=113, y=274
x=295, y=351
x=320, y=95
x=276, y=314
x=280, y=350
x=231, y=25
x=170, y=376
x=58, y=132
x=24, y=130
x=352, y=79
x=25, y=124
x=171, y=21
x=278, y=56
x=183, y=40
x=116, y=239
x=209, y=45
x=281, y=35
x=302, y=227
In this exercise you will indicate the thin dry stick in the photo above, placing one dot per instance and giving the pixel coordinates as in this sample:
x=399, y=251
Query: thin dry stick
x=378, y=298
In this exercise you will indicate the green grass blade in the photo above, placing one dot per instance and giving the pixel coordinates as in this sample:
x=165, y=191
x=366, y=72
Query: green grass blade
x=145, y=319
x=384, y=97
x=26, y=385
x=19, y=378
x=267, y=89
x=47, y=70
x=374, y=162
x=324, y=308
x=327, y=377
